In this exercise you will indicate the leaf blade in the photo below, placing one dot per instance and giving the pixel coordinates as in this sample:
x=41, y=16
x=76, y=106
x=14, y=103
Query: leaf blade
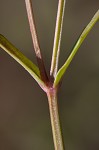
x=21, y=59
x=85, y=32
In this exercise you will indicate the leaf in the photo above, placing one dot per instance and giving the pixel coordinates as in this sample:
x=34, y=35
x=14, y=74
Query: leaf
x=85, y=32
x=21, y=59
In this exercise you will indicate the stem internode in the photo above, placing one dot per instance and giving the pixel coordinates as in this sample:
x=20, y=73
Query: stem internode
x=55, y=122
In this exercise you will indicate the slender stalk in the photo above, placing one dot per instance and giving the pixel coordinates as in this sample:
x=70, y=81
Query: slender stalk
x=55, y=122
x=57, y=38
x=36, y=45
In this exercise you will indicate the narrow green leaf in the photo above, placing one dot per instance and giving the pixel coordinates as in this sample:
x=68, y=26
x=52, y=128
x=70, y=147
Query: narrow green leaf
x=21, y=59
x=85, y=32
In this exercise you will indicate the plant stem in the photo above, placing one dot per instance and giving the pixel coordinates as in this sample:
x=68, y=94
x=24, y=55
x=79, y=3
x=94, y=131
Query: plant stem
x=55, y=122
x=57, y=37
x=36, y=45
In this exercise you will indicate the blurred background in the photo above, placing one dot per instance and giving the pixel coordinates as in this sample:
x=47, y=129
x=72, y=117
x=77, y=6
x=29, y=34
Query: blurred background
x=24, y=114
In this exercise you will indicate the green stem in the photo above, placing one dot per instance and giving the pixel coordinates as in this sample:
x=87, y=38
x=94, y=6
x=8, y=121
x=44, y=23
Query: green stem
x=57, y=38
x=55, y=122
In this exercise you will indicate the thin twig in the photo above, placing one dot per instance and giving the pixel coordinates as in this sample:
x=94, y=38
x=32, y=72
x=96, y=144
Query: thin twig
x=57, y=38
x=35, y=40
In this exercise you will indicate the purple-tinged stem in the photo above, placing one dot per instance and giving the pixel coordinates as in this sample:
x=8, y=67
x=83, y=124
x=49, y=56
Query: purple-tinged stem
x=36, y=45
